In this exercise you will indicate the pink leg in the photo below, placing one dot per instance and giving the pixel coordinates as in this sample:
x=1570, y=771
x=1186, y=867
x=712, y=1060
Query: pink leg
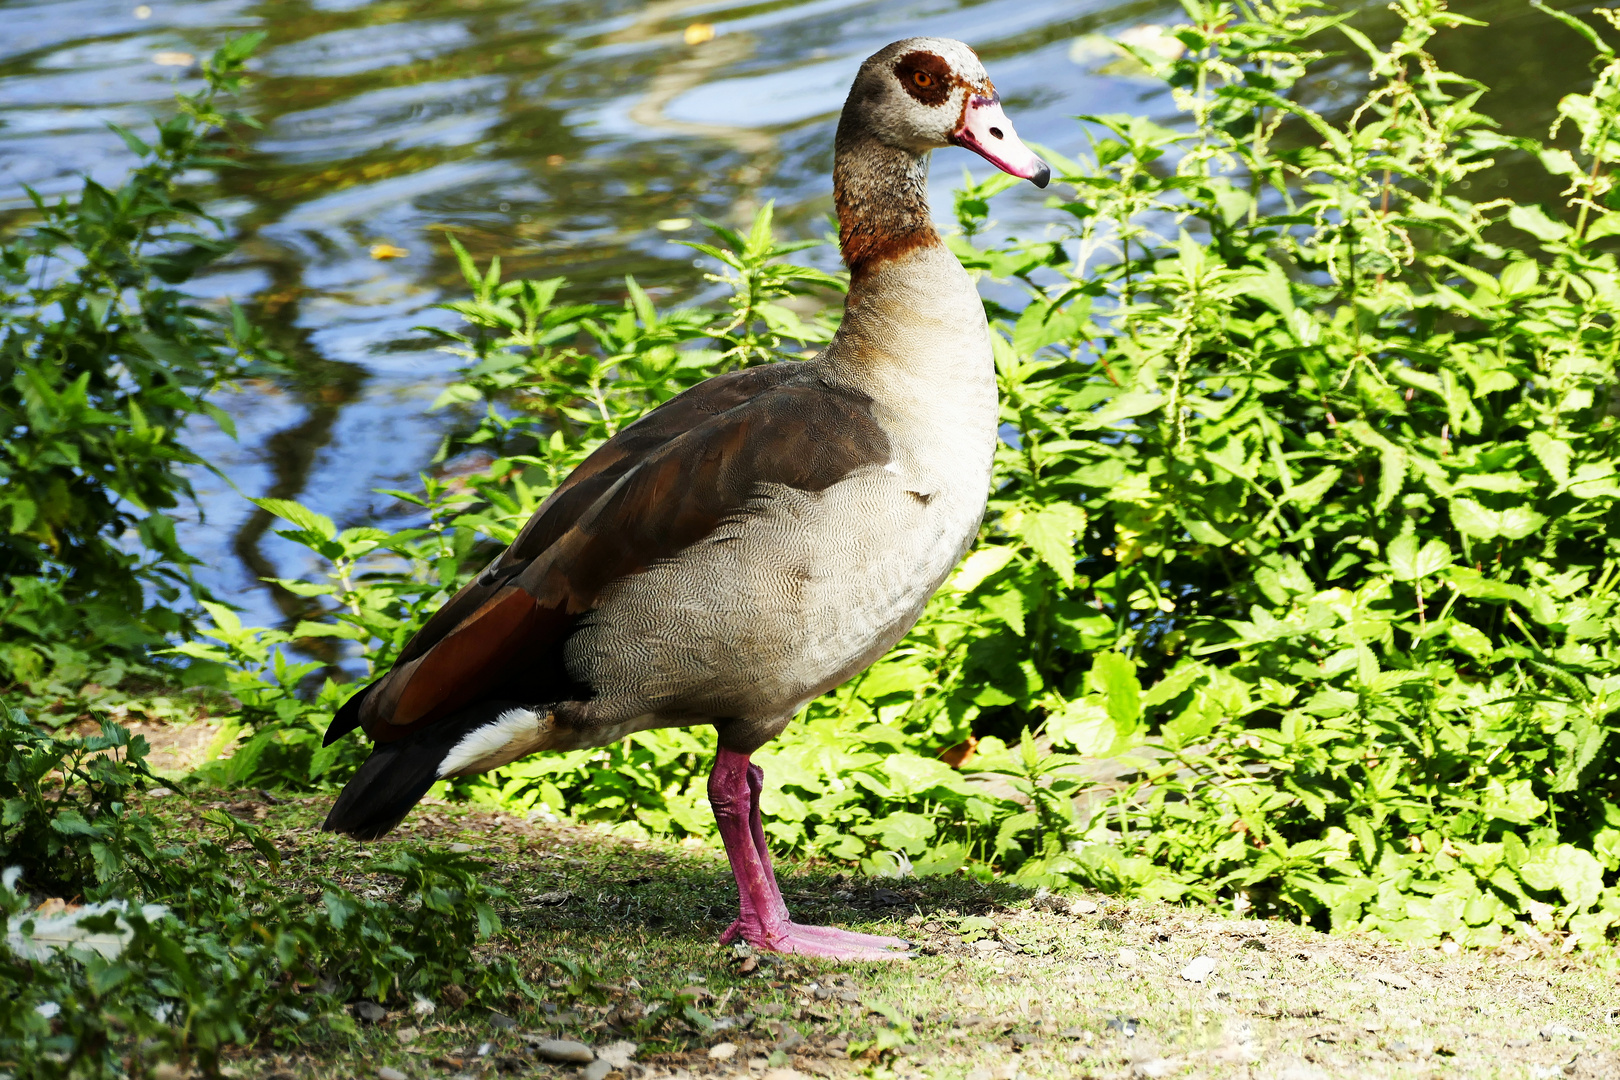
x=734, y=788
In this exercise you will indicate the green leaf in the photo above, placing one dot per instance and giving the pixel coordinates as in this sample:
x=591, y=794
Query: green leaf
x=1407, y=562
x=1555, y=456
x=981, y=565
x=1268, y=284
x=1113, y=675
x=298, y=515
x=1566, y=869
x=1008, y=606
x=1470, y=640
x=1084, y=725
x=901, y=831
x=1534, y=220
x=1051, y=531
x=1514, y=523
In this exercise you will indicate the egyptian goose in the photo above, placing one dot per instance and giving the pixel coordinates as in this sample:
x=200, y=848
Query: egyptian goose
x=753, y=542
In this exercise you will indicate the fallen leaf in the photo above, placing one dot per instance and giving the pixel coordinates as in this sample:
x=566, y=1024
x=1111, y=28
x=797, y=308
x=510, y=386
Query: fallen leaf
x=698, y=33
x=389, y=251
x=617, y=1054
x=173, y=59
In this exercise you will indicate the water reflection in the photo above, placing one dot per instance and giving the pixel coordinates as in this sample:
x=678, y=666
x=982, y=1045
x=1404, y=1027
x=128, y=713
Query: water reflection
x=556, y=134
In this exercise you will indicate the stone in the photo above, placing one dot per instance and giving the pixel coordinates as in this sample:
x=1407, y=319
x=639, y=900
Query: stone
x=501, y=1020
x=722, y=1051
x=370, y=1012
x=386, y=1073
x=407, y=1035
x=1153, y=1068
x=564, y=1050
x=596, y=1070
x=1199, y=969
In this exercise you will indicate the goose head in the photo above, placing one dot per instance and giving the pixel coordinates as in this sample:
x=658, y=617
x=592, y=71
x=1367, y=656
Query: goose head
x=924, y=94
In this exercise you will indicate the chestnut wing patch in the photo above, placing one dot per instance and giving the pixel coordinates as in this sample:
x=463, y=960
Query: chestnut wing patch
x=647, y=494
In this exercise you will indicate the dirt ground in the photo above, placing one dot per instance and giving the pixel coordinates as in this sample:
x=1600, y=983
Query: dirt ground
x=1029, y=987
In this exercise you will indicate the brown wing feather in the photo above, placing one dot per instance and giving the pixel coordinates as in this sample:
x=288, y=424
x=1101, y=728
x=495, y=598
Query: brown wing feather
x=656, y=488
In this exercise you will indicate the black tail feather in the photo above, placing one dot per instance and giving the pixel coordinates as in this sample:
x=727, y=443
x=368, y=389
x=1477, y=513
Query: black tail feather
x=397, y=774
x=347, y=718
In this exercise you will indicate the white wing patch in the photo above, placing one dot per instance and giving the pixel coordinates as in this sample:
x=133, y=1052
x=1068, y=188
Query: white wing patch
x=514, y=733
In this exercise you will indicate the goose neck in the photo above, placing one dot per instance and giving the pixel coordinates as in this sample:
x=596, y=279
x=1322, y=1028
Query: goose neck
x=881, y=196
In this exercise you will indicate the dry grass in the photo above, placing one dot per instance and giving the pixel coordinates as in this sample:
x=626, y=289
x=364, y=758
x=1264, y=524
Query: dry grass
x=1097, y=993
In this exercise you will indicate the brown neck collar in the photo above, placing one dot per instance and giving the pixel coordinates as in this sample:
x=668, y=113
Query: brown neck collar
x=881, y=195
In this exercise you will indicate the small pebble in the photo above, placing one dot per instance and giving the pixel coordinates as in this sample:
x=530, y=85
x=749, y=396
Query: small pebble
x=387, y=1073
x=370, y=1011
x=564, y=1050
x=407, y=1035
x=596, y=1070
x=722, y=1051
x=1128, y=956
x=501, y=1020
x=461, y=849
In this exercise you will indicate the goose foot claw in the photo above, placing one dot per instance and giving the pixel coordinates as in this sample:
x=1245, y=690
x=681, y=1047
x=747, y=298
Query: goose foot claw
x=826, y=942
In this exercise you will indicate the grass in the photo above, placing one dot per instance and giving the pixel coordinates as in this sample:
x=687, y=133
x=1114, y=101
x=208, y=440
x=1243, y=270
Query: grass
x=609, y=928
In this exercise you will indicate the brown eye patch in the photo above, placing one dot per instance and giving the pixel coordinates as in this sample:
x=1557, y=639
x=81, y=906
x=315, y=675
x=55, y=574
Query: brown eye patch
x=926, y=76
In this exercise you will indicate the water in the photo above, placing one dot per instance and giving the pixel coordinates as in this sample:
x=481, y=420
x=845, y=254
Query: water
x=557, y=135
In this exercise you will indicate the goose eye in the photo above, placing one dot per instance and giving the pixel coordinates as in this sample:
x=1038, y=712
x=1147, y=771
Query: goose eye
x=922, y=78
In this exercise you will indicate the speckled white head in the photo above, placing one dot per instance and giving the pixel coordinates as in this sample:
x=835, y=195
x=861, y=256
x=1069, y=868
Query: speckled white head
x=923, y=93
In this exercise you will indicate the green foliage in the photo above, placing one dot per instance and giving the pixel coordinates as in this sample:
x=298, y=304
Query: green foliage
x=64, y=819
x=1298, y=588
x=1346, y=464
x=102, y=361
x=187, y=945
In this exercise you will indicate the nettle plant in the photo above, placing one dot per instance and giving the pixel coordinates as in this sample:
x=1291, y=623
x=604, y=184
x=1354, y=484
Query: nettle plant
x=1344, y=440
x=103, y=360
x=1307, y=532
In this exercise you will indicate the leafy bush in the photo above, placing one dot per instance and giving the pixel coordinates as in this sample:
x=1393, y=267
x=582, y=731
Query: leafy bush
x=1306, y=528
x=187, y=945
x=102, y=361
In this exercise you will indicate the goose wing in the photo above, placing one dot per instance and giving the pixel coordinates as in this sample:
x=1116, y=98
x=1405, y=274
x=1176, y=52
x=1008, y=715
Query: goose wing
x=657, y=487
